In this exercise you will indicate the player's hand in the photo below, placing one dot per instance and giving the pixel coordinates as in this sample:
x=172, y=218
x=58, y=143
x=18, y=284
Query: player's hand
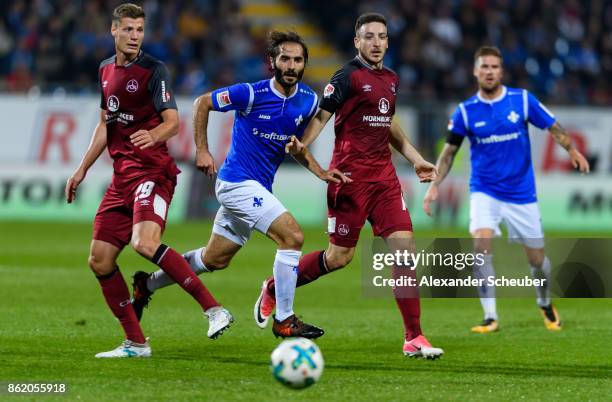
x=294, y=146
x=72, y=184
x=579, y=161
x=206, y=164
x=334, y=176
x=426, y=171
x=143, y=139
x=430, y=195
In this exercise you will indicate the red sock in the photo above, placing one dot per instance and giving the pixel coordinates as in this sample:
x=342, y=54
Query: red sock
x=179, y=270
x=310, y=268
x=117, y=297
x=409, y=304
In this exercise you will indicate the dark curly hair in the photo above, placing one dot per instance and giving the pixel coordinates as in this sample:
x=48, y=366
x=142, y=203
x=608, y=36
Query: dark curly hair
x=276, y=38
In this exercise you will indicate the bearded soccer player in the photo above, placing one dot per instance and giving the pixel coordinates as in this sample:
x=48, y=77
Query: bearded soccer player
x=268, y=114
x=502, y=185
x=138, y=115
x=362, y=95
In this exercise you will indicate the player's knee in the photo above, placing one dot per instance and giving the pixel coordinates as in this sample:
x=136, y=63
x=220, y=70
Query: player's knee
x=215, y=264
x=536, y=261
x=98, y=266
x=293, y=240
x=482, y=246
x=297, y=239
x=146, y=248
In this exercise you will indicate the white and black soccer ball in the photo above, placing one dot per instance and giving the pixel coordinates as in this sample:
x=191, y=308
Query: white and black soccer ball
x=297, y=363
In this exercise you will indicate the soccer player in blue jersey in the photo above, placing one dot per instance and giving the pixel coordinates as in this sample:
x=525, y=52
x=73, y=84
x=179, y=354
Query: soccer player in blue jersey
x=502, y=183
x=268, y=114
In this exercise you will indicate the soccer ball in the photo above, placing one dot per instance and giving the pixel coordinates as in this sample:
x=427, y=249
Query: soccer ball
x=297, y=363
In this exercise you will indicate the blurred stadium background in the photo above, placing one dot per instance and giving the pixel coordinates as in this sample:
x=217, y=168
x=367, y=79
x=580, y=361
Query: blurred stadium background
x=559, y=50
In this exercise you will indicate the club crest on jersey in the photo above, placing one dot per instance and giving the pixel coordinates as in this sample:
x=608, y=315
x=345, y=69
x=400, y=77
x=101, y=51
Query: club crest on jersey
x=223, y=99
x=299, y=120
x=343, y=229
x=367, y=88
x=328, y=91
x=513, y=117
x=132, y=86
x=383, y=105
x=112, y=103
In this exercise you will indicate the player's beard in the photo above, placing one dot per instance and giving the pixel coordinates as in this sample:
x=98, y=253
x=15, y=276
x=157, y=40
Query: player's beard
x=490, y=89
x=280, y=78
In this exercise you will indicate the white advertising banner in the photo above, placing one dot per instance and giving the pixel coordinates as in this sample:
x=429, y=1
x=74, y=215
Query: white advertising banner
x=46, y=137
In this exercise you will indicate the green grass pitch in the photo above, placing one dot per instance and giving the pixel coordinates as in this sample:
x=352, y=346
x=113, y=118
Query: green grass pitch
x=53, y=321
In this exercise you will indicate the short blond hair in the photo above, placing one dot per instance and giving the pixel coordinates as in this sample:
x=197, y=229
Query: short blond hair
x=488, y=51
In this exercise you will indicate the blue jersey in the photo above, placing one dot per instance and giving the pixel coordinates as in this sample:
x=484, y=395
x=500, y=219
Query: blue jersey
x=499, y=142
x=264, y=122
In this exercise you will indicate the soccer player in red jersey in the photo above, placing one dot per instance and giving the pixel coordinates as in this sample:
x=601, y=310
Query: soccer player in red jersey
x=138, y=116
x=362, y=96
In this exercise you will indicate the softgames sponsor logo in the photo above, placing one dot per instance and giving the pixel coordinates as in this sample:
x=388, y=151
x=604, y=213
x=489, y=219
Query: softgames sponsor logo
x=271, y=136
x=495, y=138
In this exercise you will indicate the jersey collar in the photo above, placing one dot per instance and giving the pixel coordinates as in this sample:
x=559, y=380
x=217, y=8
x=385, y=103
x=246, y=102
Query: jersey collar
x=368, y=65
x=280, y=95
x=131, y=62
x=491, y=101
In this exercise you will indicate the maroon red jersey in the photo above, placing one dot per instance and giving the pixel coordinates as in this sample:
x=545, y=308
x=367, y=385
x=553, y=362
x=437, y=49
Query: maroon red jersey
x=363, y=99
x=134, y=95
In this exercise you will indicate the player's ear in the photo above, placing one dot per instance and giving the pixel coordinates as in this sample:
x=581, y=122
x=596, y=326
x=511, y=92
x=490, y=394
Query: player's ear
x=356, y=41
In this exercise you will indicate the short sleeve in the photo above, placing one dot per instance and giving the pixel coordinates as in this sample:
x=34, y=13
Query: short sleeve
x=538, y=114
x=160, y=88
x=336, y=92
x=458, y=122
x=236, y=97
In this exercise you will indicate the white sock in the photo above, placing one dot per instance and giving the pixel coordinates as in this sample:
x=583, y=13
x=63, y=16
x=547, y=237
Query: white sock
x=486, y=293
x=285, y=279
x=542, y=292
x=159, y=279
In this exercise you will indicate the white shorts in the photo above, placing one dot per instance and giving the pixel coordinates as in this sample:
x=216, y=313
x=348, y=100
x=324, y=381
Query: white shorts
x=244, y=206
x=523, y=221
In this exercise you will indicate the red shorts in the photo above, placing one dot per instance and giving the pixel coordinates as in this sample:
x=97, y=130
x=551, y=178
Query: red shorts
x=349, y=205
x=126, y=204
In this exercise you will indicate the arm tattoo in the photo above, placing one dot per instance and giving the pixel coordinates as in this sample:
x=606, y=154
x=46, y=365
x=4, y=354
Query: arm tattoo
x=561, y=136
x=445, y=161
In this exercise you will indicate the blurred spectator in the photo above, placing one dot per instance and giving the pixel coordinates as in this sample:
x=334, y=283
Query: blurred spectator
x=560, y=49
x=59, y=43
